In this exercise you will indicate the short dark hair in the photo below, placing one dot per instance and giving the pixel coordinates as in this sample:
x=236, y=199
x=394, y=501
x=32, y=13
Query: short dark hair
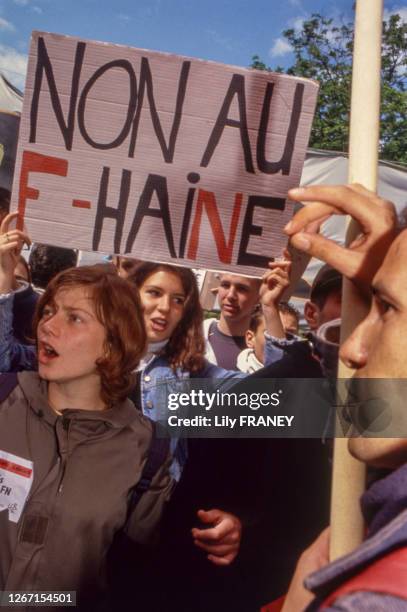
x=256, y=318
x=325, y=282
x=46, y=261
x=286, y=307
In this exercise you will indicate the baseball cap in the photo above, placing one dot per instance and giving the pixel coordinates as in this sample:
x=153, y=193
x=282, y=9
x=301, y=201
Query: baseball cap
x=327, y=279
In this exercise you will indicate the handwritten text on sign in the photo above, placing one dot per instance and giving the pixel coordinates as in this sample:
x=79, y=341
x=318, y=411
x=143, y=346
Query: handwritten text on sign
x=123, y=150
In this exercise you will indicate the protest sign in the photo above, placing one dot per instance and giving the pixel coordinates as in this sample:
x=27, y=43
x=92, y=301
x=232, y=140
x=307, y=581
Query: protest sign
x=157, y=156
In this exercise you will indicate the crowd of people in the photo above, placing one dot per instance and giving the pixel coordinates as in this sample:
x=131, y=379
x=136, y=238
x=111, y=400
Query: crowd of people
x=112, y=509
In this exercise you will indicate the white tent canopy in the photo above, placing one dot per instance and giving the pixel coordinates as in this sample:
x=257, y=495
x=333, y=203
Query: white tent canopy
x=331, y=168
x=11, y=99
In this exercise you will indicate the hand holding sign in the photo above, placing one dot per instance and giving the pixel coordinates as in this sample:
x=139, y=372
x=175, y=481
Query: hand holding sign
x=11, y=243
x=274, y=283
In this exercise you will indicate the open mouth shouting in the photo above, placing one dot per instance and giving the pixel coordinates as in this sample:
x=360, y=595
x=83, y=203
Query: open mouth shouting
x=46, y=352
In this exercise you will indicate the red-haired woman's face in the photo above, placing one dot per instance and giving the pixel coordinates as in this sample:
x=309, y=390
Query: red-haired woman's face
x=70, y=337
x=163, y=298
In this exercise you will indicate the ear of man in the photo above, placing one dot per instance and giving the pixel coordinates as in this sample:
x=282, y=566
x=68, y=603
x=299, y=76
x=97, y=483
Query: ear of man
x=249, y=337
x=311, y=314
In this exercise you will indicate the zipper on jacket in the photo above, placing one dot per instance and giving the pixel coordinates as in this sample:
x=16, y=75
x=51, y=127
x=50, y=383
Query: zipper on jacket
x=64, y=456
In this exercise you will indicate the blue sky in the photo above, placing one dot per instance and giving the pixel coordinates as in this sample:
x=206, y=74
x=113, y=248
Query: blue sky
x=229, y=31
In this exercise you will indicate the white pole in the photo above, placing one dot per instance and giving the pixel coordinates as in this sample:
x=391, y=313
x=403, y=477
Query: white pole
x=349, y=474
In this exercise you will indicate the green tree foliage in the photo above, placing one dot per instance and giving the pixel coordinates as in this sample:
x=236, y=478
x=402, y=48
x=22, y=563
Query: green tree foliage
x=323, y=51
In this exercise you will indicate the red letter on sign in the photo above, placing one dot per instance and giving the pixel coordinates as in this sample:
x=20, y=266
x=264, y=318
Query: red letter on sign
x=35, y=162
x=207, y=199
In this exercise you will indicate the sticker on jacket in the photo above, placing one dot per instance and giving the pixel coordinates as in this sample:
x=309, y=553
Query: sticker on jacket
x=16, y=478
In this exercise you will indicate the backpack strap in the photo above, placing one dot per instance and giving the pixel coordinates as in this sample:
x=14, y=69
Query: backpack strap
x=157, y=454
x=8, y=382
x=386, y=575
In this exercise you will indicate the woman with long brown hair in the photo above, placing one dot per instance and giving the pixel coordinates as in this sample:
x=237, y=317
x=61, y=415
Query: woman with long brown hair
x=173, y=318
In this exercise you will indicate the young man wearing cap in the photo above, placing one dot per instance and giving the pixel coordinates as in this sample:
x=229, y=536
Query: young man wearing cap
x=325, y=298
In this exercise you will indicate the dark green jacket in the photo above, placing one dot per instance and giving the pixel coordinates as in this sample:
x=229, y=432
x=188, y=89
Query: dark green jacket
x=84, y=465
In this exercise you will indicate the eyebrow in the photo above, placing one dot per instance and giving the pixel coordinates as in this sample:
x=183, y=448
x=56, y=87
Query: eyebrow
x=380, y=292
x=161, y=289
x=76, y=308
x=236, y=285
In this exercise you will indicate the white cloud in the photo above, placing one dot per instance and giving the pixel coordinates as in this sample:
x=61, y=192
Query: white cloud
x=6, y=26
x=401, y=10
x=14, y=65
x=34, y=8
x=295, y=2
x=280, y=47
x=123, y=17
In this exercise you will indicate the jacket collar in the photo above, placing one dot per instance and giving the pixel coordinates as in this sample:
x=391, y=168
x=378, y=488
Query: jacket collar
x=391, y=533
x=35, y=392
x=385, y=499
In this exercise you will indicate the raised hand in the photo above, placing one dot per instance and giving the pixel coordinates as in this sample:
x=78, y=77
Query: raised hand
x=11, y=243
x=376, y=217
x=275, y=281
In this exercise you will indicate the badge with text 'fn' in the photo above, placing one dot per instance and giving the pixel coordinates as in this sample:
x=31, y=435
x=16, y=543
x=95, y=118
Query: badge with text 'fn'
x=16, y=478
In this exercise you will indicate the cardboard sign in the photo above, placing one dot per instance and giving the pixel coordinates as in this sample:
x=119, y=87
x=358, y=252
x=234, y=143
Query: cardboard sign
x=157, y=156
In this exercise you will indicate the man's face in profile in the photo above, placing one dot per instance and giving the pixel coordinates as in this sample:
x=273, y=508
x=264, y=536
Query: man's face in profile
x=377, y=349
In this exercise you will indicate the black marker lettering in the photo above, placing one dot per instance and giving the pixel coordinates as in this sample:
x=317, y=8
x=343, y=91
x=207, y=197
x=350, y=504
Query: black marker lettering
x=44, y=64
x=284, y=164
x=248, y=229
x=130, y=109
x=236, y=88
x=157, y=184
x=107, y=212
x=146, y=81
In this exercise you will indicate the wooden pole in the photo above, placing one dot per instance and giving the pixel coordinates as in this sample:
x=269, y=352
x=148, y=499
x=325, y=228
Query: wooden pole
x=348, y=473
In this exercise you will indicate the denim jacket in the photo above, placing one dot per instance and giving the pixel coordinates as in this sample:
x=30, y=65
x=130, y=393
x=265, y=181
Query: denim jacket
x=158, y=380
x=14, y=356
